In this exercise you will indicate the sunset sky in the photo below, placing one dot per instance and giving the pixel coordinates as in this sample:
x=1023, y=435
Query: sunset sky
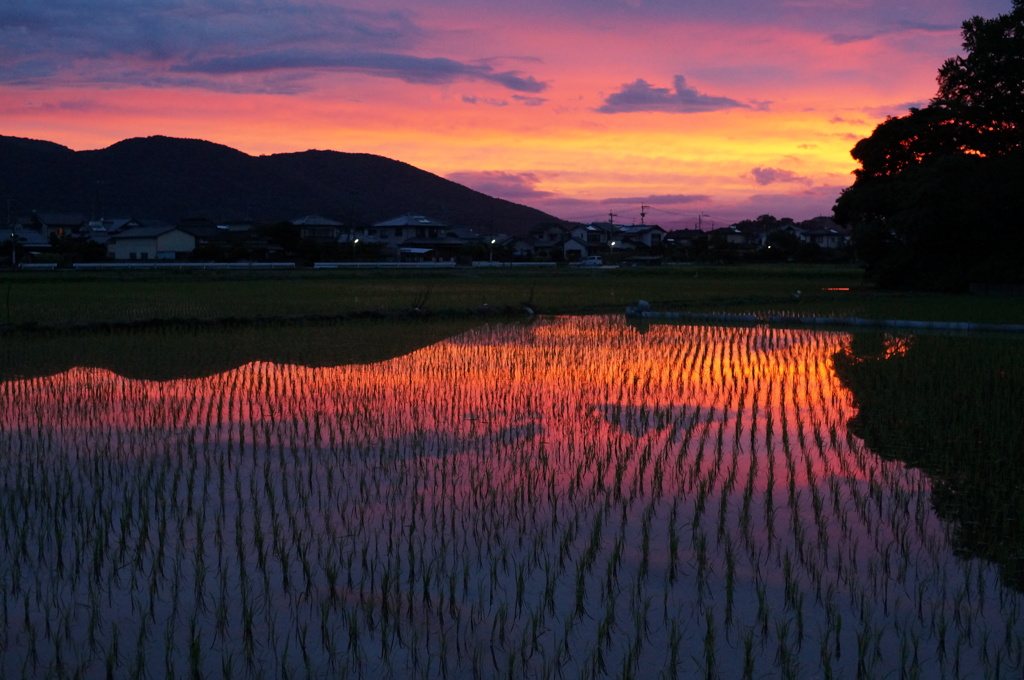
x=717, y=110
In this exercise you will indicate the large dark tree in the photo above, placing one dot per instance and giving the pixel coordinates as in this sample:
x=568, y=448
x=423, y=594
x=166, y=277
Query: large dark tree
x=938, y=201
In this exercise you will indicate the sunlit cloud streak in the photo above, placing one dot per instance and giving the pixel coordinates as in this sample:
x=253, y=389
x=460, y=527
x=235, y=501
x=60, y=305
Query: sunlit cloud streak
x=664, y=199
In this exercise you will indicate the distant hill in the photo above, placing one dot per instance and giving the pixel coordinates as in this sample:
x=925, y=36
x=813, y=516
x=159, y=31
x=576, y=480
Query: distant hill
x=171, y=179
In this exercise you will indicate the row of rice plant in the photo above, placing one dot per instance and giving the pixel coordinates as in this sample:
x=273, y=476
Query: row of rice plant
x=571, y=499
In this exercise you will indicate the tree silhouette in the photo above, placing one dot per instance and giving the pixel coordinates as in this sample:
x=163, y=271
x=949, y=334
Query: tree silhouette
x=948, y=406
x=937, y=198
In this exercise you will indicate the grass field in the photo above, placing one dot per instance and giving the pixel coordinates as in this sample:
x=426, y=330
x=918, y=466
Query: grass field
x=61, y=299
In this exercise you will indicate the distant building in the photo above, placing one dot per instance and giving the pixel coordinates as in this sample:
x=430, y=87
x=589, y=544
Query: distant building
x=100, y=231
x=319, y=229
x=59, y=224
x=396, y=231
x=155, y=241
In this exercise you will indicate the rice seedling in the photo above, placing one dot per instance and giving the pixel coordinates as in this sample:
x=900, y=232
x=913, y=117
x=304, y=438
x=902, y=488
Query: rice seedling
x=567, y=499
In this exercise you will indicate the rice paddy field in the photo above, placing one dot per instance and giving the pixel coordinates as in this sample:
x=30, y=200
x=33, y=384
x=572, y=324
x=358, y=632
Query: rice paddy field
x=575, y=497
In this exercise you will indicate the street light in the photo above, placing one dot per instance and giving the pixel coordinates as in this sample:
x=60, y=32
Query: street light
x=490, y=256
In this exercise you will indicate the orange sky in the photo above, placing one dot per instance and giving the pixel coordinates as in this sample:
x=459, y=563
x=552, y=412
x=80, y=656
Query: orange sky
x=576, y=107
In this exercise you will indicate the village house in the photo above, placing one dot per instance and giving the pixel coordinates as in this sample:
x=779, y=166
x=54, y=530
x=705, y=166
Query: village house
x=26, y=243
x=825, y=233
x=519, y=247
x=396, y=231
x=152, y=241
x=647, y=236
x=593, y=235
x=574, y=250
x=319, y=229
x=572, y=243
x=100, y=231
x=730, y=236
x=58, y=224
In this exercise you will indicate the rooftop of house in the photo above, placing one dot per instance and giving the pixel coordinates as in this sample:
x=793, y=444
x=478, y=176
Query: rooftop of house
x=410, y=221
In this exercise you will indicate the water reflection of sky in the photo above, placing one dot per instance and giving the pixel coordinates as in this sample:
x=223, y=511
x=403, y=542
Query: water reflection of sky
x=707, y=470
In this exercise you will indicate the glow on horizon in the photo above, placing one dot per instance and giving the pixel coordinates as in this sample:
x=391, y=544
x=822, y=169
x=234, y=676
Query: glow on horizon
x=544, y=106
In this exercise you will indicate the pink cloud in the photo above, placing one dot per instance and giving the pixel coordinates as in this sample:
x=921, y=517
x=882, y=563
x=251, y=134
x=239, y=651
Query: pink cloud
x=765, y=176
x=507, y=185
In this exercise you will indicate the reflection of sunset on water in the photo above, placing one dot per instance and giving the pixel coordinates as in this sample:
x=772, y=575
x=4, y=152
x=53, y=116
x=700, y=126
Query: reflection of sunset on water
x=562, y=381
x=679, y=485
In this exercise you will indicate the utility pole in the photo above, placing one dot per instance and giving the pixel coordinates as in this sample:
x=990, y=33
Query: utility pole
x=643, y=213
x=10, y=226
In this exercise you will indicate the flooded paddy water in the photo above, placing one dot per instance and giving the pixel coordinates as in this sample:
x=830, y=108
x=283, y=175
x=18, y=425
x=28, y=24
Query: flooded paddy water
x=573, y=498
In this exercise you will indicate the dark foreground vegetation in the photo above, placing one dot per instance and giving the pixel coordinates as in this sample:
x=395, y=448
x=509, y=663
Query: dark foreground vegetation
x=55, y=300
x=937, y=202
x=949, y=406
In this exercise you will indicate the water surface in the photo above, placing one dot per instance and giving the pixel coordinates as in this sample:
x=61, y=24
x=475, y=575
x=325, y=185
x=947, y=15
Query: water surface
x=571, y=498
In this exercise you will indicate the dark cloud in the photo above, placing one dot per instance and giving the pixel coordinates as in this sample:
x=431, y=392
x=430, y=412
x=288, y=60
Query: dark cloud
x=642, y=96
x=892, y=29
x=528, y=101
x=27, y=71
x=164, y=30
x=507, y=185
x=660, y=199
x=487, y=101
x=411, y=69
x=116, y=41
x=765, y=176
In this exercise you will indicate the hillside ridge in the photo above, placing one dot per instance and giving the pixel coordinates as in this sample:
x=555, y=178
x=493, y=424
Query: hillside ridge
x=171, y=179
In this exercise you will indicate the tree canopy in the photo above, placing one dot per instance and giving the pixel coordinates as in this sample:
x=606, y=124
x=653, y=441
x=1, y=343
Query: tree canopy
x=937, y=201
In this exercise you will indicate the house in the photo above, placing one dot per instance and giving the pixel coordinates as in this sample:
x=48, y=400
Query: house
x=648, y=236
x=826, y=239
x=99, y=231
x=574, y=250
x=727, y=236
x=467, y=235
x=594, y=235
x=622, y=246
x=686, y=238
x=26, y=243
x=824, y=232
x=152, y=241
x=319, y=229
x=518, y=246
x=59, y=224
x=400, y=229
x=549, y=235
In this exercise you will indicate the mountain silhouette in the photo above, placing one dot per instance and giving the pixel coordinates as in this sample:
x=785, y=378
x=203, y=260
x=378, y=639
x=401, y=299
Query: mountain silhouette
x=171, y=179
